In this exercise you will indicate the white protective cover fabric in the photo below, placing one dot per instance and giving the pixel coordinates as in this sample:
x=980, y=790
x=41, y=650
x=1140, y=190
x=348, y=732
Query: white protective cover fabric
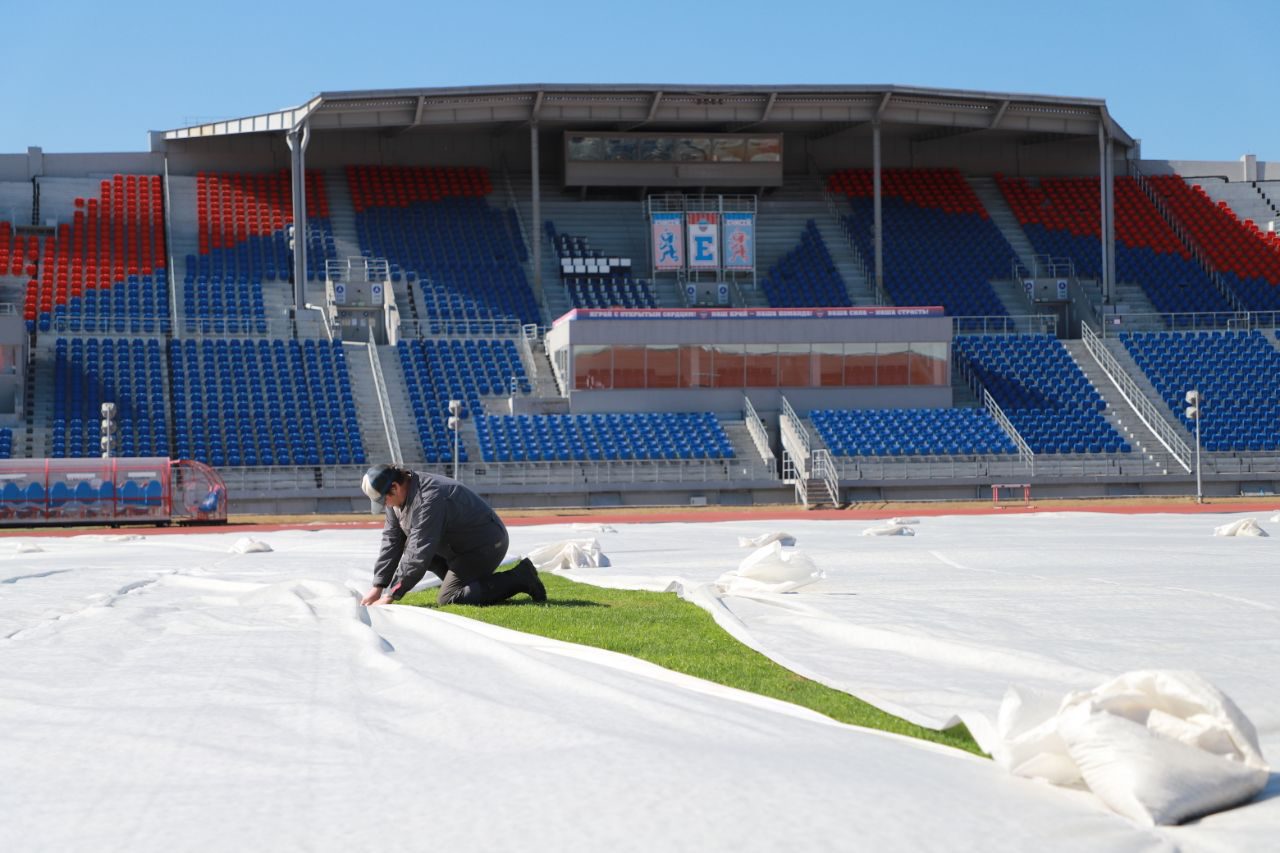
x=771, y=569
x=933, y=627
x=567, y=554
x=1242, y=527
x=1158, y=747
x=163, y=694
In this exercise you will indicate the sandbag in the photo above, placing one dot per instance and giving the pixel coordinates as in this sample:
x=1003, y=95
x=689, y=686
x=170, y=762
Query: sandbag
x=568, y=554
x=889, y=529
x=765, y=538
x=1157, y=746
x=247, y=545
x=771, y=569
x=28, y=548
x=1243, y=527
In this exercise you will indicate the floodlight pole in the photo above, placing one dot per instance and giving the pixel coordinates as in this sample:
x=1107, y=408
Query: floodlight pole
x=1195, y=406
x=455, y=424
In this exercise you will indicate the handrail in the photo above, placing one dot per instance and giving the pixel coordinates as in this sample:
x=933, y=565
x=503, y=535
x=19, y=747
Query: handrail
x=824, y=467
x=172, y=274
x=384, y=405
x=1129, y=390
x=1192, y=321
x=795, y=438
x=1032, y=324
x=755, y=427
x=529, y=334
x=1024, y=450
x=882, y=297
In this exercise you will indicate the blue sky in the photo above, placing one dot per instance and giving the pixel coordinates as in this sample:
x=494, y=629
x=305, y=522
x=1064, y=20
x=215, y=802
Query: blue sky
x=1189, y=79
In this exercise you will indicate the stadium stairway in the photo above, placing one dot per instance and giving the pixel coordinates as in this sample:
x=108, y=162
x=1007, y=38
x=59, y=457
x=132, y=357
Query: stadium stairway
x=1002, y=215
x=1118, y=412
x=184, y=234
x=789, y=208
x=372, y=433
x=342, y=214
x=40, y=402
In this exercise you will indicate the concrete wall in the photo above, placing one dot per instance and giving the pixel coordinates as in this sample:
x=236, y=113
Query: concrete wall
x=746, y=330
x=728, y=401
x=1246, y=168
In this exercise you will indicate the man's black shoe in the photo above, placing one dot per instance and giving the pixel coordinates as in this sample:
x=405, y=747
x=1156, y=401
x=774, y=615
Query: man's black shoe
x=533, y=585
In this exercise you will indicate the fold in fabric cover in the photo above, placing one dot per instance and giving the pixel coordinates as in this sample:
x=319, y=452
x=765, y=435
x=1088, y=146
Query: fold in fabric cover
x=1156, y=746
x=568, y=554
x=1242, y=527
x=770, y=569
x=765, y=538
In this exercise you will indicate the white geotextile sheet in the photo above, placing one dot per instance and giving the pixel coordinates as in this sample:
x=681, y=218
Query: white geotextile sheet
x=161, y=693
x=939, y=625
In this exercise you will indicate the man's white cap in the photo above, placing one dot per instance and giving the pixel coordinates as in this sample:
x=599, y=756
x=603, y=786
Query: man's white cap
x=376, y=483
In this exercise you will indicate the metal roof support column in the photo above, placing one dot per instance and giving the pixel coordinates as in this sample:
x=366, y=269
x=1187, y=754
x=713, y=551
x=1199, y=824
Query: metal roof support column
x=1107, y=232
x=878, y=225
x=534, y=158
x=298, y=139
x=1111, y=214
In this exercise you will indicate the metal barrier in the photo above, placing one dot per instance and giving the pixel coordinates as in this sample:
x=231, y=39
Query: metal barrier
x=1137, y=400
x=1024, y=450
x=755, y=427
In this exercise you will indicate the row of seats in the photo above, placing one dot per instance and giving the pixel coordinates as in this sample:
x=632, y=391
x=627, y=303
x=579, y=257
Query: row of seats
x=806, y=276
x=940, y=245
x=1247, y=257
x=112, y=240
x=401, y=186
x=90, y=372
x=602, y=437
x=1061, y=217
x=592, y=279
x=257, y=402
x=1237, y=374
x=1042, y=390
x=436, y=372
x=232, y=207
x=6, y=443
x=911, y=432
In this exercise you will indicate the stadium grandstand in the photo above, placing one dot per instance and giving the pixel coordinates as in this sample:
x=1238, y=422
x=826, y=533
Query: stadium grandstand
x=599, y=295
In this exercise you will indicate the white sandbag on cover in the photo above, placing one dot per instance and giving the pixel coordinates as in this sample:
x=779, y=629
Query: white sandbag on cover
x=1157, y=746
x=770, y=569
x=765, y=538
x=904, y=521
x=593, y=528
x=889, y=529
x=568, y=554
x=28, y=548
x=1243, y=527
x=247, y=545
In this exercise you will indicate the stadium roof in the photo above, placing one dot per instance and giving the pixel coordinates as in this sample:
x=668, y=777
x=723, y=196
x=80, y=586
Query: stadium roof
x=930, y=113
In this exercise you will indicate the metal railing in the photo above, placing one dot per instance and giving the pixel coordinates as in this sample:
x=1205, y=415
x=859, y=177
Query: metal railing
x=1203, y=321
x=882, y=298
x=796, y=450
x=1024, y=450
x=759, y=435
x=384, y=405
x=529, y=335
x=790, y=474
x=1031, y=324
x=981, y=470
x=460, y=328
x=824, y=469
x=1138, y=401
x=583, y=474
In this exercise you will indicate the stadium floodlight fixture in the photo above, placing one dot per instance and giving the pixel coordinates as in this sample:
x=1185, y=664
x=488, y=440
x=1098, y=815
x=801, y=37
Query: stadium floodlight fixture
x=1194, y=405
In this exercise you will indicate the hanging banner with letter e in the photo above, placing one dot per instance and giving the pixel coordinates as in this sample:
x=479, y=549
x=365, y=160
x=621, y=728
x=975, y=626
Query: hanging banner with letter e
x=668, y=248
x=739, y=241
x=704, y=241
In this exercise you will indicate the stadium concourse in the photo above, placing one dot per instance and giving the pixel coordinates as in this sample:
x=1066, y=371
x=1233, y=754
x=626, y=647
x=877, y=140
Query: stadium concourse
x=205, y=690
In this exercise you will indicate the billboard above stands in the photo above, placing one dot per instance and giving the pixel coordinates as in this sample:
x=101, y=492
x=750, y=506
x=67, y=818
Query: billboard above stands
x=597, y=158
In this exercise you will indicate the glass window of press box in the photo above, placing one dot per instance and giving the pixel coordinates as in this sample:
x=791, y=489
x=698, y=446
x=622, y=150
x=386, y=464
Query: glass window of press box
x=843, y=365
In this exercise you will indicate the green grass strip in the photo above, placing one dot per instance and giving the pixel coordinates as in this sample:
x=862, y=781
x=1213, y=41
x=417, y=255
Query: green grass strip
x=664, y=629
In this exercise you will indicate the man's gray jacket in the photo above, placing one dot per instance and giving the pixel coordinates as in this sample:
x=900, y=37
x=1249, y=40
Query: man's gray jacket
x=441, y=518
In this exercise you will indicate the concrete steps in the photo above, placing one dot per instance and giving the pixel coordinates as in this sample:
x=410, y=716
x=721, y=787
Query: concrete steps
x=1118, y=412
x=1003, y=217
x=372, y=433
